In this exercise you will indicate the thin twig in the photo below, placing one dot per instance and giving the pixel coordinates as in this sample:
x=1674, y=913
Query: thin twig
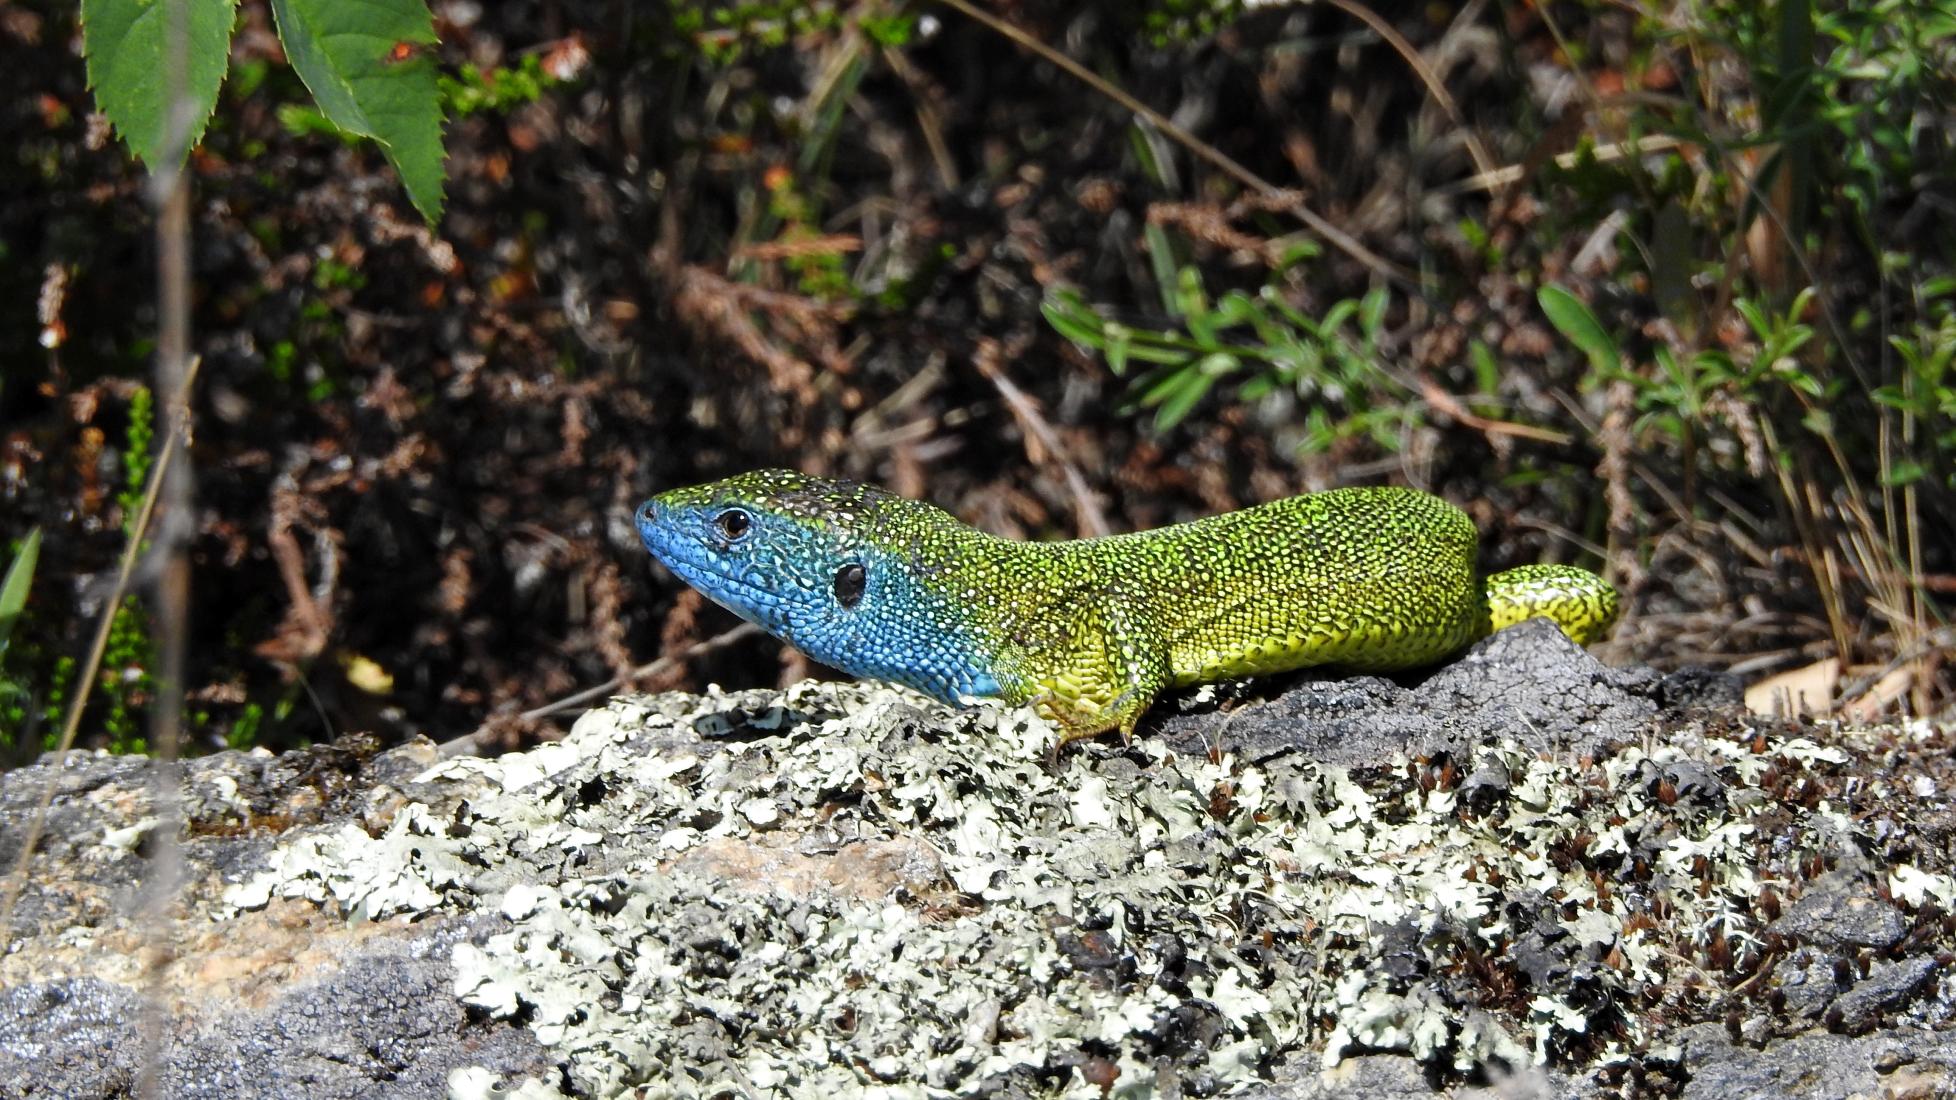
x=1929, y=643
x=470, y=742
x=93, y=664
x=1482, y=161
x=171, y=192
x=1344, y=241
x=1041, y=437
x=928, y=121
x=1618, y=150
x=1439, y=399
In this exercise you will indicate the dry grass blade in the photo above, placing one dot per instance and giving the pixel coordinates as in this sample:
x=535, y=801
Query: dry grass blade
x=470, y=742
x=1041, y=441
x=929, y=119
x=1345, y=242
x=1483, y=163
x=92, y=665
x=1513, y=173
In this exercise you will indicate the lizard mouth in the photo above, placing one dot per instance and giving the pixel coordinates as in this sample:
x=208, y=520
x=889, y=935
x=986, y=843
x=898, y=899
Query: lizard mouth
x=740, y=586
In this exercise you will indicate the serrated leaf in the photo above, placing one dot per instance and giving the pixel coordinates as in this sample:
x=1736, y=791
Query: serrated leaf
x=1574, y=320
x=13, y=590
x=125, y=43
x=367, y=67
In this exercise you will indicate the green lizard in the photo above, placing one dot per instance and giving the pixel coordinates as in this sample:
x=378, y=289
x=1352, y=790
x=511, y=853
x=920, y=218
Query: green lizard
x=1091, y=631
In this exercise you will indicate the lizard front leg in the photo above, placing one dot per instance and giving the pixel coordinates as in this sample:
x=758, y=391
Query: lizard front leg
x=1104, y=677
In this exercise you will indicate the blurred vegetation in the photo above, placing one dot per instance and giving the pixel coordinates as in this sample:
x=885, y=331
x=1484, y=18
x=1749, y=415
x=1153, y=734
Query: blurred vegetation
x=1665, y=287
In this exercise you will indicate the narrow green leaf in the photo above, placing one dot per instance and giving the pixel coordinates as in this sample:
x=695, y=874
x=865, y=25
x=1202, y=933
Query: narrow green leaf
x=1275, y=300
x=1192, y=305
x=1182, y=401
x=1756, y=318
x=1158, y=352
x=1487, y=372
x=1335, y=317
x=1161, y=260
x=1574, y=320
x=1158, y=387
x=127, y=43
x=1072, y=317
x=13, y=590
x=1235, y=308
x=1117, y=347
x=367, y=65
x=1371, y=316
x=1219, y=363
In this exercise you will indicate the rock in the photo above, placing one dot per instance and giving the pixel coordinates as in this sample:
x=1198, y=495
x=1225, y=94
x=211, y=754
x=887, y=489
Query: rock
x=1888, y=986
x=1839, y=910
x=381, y=1023
x=1528, y=683
x=1462, y=875
x=1700, y=687
x=1532, y=683
x=1806, y=983
x=69, y=1038
x=1819, y=1066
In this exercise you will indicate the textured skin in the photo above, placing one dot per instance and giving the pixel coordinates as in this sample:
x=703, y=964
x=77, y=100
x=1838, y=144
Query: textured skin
x=1090, y=631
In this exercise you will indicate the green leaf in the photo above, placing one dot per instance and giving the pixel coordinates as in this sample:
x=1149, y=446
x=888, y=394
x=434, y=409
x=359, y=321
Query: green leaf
x=13, y=590
x=1335, y=317
x=1158, y=386
x=366, y=65
x=1371, y=316
x=1117, y=345
x=1219, y=363
x=1193, y=385
x=1235, y=308
x=1574, y=320
x=1904, y=472
x=1072, y=317
x=126, y=42
x=1161, y=259
x=1487, y=372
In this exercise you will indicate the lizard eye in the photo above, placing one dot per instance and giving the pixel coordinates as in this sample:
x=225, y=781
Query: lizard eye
x=849, y=583
x=733, y=523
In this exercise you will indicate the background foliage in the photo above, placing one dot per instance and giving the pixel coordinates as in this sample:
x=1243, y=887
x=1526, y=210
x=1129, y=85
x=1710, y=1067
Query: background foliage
x=1665, y=287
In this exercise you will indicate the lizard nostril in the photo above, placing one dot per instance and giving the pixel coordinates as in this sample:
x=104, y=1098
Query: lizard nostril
x=648, y=512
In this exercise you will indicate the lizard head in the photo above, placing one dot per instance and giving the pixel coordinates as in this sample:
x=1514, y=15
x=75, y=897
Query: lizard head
x=780, y=549
x=841, y=570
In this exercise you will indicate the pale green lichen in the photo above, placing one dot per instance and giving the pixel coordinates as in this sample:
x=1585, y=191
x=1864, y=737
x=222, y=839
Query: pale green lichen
x=1202, y=918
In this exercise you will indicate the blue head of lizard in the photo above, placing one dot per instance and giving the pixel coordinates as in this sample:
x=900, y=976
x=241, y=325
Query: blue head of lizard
x=855, y=577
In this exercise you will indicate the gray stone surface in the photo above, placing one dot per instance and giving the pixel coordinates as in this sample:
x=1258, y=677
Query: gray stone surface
x=382, y=1023
x=1841, y=910
x=1379, y=889
x=1528, y=683
x=1888, y=986
x=1819, y=1066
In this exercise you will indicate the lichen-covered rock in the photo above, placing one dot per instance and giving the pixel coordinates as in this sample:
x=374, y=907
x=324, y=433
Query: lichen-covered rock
x=1842, y=909
x=841, y=890
x=1818, y=1066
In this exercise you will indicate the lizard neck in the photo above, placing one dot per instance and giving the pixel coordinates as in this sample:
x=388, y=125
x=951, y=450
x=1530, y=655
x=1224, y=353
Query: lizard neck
x=928, y=618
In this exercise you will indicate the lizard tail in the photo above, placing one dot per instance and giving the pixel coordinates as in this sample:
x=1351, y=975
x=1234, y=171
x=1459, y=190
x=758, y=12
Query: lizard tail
x=1580, y=602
